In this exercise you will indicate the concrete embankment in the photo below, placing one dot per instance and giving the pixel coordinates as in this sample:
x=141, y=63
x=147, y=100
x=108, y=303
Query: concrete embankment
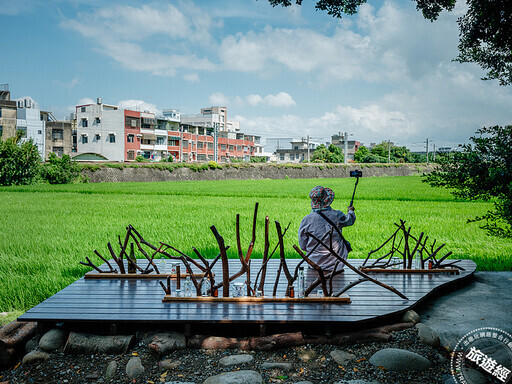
x=168, y=172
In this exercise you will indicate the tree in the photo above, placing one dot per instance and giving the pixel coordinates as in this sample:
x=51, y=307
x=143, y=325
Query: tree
x=331, y=154
x=60, y=171
x=19, y=162
x=485, y=30
x=360, y=154
x=482, y=171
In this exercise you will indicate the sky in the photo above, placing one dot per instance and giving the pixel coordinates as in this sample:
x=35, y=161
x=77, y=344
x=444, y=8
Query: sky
x=385, y=73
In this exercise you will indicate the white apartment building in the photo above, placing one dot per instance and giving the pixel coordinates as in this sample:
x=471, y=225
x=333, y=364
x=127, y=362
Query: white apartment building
x=100, y=130
x=30, y=121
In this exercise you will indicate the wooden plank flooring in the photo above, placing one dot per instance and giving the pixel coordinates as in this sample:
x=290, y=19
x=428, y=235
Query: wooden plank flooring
x=132, y=301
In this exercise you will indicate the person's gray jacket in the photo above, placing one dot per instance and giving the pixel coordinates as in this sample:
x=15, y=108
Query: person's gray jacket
x=318, y=226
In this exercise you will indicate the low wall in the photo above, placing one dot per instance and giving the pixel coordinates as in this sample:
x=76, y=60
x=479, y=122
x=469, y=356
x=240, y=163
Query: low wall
x=131, y=173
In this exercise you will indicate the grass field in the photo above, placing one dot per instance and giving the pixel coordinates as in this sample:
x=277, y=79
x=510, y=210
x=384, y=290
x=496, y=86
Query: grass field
x=45, y=230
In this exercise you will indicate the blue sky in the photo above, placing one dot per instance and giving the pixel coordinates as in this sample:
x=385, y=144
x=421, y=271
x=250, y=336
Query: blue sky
x=385, y=73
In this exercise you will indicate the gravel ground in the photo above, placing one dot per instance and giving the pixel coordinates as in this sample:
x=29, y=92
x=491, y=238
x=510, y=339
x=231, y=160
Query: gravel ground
x=310, y=362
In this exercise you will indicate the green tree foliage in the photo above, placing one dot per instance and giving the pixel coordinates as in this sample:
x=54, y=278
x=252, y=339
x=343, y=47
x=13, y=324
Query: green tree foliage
x=379, y=154
x=482, y=170
x=60, y=170
x=360, y=154
x=19, y=162
x=331, y=154
x=485, y=31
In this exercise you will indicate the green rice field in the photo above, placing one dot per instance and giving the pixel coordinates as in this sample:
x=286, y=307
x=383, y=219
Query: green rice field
x=46, y=230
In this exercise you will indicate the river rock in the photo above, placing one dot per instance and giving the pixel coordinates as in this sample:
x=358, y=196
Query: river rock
x=111, y=370
x=281, y=366
x=411, y=317
x=164, y=343
x=35, y=357
x=427, y=335
x=236, y=359
x=52, y=340
x=357, y=381
x=342, y=357
x=31, y=345
x=238, y=377
x=134, y=367
x=168, y=364
x=395, y=359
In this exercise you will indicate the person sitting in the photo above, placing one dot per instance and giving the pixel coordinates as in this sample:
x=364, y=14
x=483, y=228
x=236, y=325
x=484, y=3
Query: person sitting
x=314, y=223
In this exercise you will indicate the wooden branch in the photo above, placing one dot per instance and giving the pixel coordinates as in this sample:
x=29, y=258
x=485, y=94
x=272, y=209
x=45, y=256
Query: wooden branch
x=320, y=271
x=348, y=286
x=118, y=260
x=263, y=269
x=383, y=244
x=289, y=277
x=390, y=288
x=225, y=262
x=111, y=270
x=90, y=264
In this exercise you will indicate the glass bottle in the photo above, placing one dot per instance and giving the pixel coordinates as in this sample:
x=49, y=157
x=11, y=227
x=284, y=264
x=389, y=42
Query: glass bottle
x=300, y=283
x=417, y=261
x=132, y=261
x=162, y=264
x=205, y=288
x=187, y=287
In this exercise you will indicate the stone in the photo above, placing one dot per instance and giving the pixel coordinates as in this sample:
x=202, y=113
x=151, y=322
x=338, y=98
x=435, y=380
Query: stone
x=237, y=377
x=342, y=357
x=394, y=359
x=357, y=381
x=411, y=317
x=111, y=370
x=236, y=359
x=439, y=359
x=168, y=364
x=303, y=382
x=164, y=343
x=134, y=367
x=93, y=375
x=52, y=340
x=179, y=382
x=35, y=357
x=474, y=377
x=427, y=335
x=307, y=355
x=449, y=380
x=31, y=345
x=281, y=366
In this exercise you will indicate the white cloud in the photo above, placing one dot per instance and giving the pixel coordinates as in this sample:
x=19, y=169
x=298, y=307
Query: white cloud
x=138, y=105
x=218, y=98
x=282, y=99
x=146, y=38
x=192, y=78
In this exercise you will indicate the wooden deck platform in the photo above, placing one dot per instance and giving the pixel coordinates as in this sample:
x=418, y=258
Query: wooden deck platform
x=138, y=301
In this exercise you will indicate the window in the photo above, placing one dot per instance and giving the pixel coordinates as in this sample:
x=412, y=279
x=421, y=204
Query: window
x=231, y=148
x=59, y=151
x=200, y=145
x=223, y=147
x=84, y=139
x=112, y=138
x=281, y=157
x=39, y=132
x=160, y=140
x=210, y=145
x=129, y=139
x=131, y=155
x=1, y=130
x=97, y=137
x=201, y=157
x=84, y=123
x=97, y=120
x=0, y=112
x=82, y=109
x=57, y=134
x=292, y=157
x=173, y=142
x=185, y=143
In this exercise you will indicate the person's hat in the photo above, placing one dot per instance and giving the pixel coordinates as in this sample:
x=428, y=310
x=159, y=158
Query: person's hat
x=321, y=197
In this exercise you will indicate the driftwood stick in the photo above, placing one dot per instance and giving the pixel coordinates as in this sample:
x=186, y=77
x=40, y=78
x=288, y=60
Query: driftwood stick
x=90, y=264
x=225, y=263
x=141, y=239
x=332, y=276
x=118, y=260
x=276, y=283
x=348, y=286
x=111, y=270
x=418, y=242
x=438, y=263
x=286, y=271
x=390, y=288
x=263, y=269
x=190, y=260
x=392, y=237
x=320, y=271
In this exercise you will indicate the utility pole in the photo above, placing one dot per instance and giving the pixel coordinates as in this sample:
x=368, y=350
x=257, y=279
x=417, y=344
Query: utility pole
x=308, y=148
x=345, y=151
x=389, y=151
x=434, y=153
x=427, y=150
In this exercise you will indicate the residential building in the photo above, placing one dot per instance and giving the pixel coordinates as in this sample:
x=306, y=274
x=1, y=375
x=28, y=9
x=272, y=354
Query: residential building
x=31, y=121
x=7, y=113
x=59, y=138
x=352, y=146
x=101, y=130
x=297, y=151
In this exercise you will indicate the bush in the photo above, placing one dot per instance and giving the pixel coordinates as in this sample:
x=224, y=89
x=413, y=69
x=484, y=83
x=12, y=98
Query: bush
x=60, y=170
x=140, y=159
x=214, y=165
x=19, y=163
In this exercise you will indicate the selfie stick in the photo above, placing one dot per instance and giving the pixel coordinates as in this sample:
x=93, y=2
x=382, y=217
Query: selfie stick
x=357, y=175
